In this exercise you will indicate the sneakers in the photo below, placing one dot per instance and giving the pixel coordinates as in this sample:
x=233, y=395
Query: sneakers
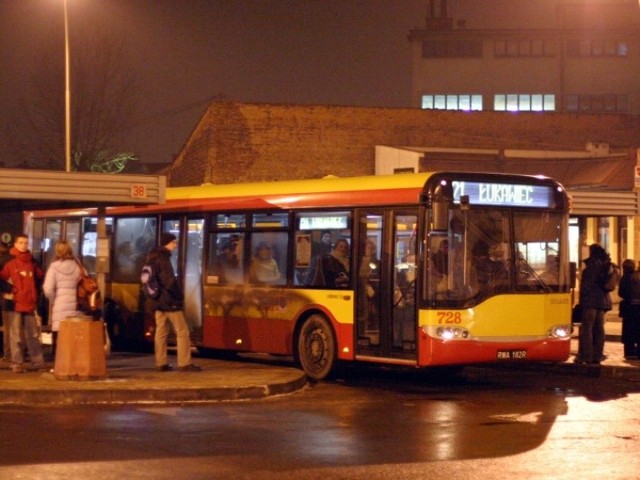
x=190, y=368
x=164, y=368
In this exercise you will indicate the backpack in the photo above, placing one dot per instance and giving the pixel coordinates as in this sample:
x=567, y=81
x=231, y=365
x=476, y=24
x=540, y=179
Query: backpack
x=612, y=278
x=149, y=282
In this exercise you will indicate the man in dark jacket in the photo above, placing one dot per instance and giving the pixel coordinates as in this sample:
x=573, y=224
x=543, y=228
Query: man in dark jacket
x=168, y=307
x=595, y=301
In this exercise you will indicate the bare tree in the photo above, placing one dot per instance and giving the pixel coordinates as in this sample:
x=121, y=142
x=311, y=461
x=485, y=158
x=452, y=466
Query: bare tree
x=103, y=94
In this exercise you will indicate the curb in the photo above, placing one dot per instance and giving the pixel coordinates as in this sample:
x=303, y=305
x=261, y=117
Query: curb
x=133, y=395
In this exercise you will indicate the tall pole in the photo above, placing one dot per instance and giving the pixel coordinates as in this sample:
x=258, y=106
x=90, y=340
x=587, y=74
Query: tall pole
x=67, y=92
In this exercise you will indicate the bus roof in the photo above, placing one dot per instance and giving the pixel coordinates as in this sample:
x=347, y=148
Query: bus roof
x=400, y=189
x=321, y=185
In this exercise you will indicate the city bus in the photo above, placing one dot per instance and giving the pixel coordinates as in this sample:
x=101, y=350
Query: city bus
x=426, y=269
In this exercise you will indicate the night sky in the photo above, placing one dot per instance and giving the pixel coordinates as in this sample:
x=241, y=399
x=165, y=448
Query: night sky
x=184, y=53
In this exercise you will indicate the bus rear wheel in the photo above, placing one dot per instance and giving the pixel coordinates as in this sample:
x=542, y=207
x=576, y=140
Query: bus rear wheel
x=316, y=347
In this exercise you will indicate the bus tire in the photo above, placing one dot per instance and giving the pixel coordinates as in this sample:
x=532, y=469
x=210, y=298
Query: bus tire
x=316, y=347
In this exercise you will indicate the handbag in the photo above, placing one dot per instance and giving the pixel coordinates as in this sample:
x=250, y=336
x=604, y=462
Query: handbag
x=88, y=294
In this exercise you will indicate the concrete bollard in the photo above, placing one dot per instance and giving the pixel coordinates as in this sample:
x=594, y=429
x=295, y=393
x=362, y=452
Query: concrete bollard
x=80, y=350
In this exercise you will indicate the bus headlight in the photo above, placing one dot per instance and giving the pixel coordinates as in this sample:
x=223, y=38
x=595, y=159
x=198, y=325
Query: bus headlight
x=451, y=333
x=559, y=331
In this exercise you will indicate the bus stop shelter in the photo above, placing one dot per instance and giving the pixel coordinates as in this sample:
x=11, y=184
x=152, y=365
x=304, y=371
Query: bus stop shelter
x=44, y=189
x=22, y=190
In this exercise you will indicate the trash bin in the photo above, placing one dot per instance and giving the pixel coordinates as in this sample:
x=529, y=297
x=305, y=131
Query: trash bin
x=80, y=350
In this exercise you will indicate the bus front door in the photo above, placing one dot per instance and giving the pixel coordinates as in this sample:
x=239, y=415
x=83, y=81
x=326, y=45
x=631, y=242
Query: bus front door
x=403, y=299
x=385, y=291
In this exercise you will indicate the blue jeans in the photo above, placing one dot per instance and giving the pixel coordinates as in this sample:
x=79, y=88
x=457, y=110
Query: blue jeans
x=591, y=339
x=19, y=323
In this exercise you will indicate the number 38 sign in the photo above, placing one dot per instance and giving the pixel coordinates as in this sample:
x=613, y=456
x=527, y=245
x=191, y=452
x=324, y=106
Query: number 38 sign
x=138, y=191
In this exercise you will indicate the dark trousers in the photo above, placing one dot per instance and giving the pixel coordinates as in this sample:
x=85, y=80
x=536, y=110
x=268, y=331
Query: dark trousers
x=591, y=339
x=631, y=332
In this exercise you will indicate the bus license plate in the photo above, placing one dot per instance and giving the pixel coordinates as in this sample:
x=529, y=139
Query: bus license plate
x=512, y=354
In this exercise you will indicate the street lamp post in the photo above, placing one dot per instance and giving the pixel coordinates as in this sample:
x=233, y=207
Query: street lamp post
x=67, y=92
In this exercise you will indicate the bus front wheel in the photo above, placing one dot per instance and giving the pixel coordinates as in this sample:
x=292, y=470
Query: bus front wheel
x=316, y=347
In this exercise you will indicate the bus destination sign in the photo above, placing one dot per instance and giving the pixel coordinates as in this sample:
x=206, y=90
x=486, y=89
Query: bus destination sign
x=504, y=194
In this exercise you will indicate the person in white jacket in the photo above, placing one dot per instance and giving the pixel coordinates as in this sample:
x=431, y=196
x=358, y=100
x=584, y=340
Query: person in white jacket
x=60, y=287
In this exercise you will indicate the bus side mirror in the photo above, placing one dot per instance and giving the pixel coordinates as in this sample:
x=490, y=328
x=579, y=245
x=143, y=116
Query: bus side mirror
x=440, y=215
x=573, y=273
x=440, y=206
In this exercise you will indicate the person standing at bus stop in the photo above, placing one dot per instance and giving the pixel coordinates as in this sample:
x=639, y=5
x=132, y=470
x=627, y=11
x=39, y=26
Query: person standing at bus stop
x=629, y=293
x=24, y=275
x=60, y=287
x=595, y=301
x=168, y=308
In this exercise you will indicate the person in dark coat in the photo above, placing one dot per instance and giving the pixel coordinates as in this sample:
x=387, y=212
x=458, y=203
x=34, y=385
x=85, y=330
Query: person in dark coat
x=168, y=307
x=629, y=293
x=595, y=301
x=333, y=269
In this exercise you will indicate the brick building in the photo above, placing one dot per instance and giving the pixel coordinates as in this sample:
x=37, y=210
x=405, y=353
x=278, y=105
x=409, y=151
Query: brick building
x=237, y=142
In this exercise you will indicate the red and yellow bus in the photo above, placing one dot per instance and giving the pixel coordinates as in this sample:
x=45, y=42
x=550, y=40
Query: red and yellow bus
x=439, y=268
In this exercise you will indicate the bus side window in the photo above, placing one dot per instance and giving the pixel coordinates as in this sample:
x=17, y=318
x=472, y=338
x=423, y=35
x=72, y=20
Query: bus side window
x=226, y=263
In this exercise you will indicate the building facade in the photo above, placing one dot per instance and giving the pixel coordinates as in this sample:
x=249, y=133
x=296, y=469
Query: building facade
x=522, y=55
x=595, y=156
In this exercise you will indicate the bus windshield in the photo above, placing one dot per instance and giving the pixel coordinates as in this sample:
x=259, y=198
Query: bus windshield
x=486, y=252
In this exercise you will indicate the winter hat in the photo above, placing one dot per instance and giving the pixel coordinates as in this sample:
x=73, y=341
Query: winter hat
x=167, y=238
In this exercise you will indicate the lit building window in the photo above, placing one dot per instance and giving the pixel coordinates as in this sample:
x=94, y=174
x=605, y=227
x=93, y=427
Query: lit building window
x=452, y=102
x=524, y=102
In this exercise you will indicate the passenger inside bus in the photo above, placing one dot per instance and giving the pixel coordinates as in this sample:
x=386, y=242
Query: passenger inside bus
x=325, y=245
x=264, y=268
x=490, y=265
x=368, y=286
x=332, y=270
x=228, y=263
x=319, y=249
